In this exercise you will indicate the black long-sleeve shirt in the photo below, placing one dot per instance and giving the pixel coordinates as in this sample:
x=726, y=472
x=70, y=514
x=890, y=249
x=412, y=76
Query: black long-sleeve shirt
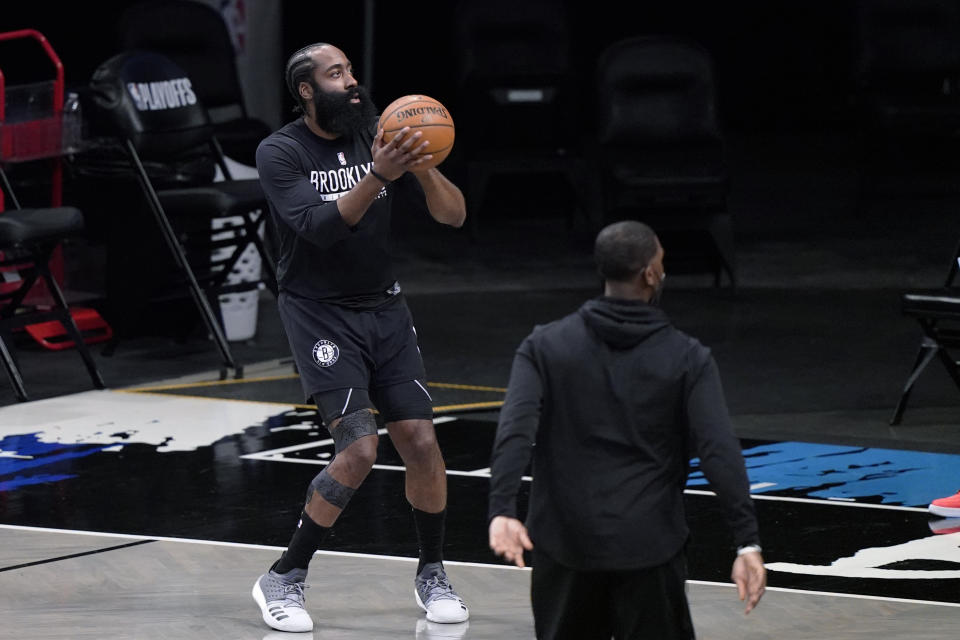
x=320, y=257
x=609, y=401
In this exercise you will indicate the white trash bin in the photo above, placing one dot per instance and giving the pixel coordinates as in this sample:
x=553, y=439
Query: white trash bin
x=239, y=310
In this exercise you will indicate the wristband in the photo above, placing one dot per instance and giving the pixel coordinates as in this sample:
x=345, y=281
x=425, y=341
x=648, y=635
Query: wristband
x=747, y=548
x=379, y=177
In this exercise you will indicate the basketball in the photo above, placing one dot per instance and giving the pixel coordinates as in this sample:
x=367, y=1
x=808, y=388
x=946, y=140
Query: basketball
x=421, y=113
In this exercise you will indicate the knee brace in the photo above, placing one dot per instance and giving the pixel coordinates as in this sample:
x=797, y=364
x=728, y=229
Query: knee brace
x=330, y=490
x=352, y=427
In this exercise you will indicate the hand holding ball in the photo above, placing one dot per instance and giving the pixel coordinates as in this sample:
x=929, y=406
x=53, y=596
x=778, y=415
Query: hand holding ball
x=421, y=113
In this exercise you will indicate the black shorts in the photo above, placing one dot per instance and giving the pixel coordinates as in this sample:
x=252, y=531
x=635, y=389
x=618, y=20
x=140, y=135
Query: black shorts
x=594, y=605
x=338, y=348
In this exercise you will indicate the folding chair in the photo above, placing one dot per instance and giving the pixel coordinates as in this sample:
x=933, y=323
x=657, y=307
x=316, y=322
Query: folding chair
x=28, y=237
x=148, y=102
x=906, y=69
x=195, y=36
x=939, y=318
x=516, y=99
x=659, y=152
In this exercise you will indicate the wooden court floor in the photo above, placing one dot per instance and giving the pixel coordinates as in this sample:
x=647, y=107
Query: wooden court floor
x=149, y=515
x=62, y=584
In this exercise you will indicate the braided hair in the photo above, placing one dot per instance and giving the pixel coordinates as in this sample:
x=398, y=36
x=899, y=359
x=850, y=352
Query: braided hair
x=300, y=67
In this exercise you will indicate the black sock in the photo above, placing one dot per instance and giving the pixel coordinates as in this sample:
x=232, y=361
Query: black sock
x=430, y=530
x=306, y=539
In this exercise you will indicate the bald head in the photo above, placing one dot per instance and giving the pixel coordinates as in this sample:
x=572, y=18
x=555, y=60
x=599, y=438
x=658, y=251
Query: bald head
x=623, y=249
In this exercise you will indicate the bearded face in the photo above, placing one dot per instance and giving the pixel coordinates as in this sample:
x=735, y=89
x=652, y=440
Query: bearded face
x=335, y=113
x=658, y=291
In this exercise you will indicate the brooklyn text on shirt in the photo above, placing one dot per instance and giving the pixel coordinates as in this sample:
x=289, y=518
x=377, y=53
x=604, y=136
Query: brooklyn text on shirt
x=331, y=184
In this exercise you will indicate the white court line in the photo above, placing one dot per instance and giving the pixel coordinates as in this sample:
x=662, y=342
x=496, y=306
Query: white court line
x=372, y=556
x=835, y=503
x=266, y=455
x=271, y=456
x=296, y=427
x=833, y=594
x=245, y=545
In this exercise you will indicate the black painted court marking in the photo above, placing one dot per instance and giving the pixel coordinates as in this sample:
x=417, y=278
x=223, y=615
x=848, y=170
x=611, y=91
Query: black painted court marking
x=279, y=455
x=76, y=555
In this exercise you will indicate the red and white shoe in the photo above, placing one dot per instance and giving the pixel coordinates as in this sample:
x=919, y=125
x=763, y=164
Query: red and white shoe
x=948, y=507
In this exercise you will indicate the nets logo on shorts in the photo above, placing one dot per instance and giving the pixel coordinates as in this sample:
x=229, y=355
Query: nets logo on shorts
x=325, y=353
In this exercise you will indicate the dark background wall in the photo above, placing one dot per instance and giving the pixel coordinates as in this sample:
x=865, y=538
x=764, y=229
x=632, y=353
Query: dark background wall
x=783, y=69
x=779, y=64
x=786, y=90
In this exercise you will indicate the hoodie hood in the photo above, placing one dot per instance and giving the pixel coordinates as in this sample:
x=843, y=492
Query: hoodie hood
x=623, y=323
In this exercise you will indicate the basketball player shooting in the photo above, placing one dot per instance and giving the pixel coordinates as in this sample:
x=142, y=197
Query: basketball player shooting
x=331, y=181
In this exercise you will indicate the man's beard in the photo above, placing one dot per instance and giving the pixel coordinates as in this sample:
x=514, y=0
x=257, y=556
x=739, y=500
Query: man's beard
x=658, y=291
x=334, y=113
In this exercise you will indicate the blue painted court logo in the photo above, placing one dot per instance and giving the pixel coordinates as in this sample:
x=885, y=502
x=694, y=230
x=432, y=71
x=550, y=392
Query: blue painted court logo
x=844, y=473
x=326, y=353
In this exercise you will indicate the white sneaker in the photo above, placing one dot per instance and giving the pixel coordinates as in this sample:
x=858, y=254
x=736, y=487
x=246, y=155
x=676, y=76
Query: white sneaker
x=281, y=601
x=436, y=596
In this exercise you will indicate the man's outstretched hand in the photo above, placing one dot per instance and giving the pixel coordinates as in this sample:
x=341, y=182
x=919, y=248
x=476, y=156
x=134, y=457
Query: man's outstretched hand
x=509, y=539
x=750, y=576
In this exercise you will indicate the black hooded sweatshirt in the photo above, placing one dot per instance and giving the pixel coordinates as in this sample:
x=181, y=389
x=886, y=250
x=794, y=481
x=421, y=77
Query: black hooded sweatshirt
x=610, y=401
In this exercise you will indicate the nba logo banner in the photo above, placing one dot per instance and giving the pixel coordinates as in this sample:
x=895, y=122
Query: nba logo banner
x=342, y=158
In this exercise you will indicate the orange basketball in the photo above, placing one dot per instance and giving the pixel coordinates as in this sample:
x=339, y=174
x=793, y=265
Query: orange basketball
x=421, y=113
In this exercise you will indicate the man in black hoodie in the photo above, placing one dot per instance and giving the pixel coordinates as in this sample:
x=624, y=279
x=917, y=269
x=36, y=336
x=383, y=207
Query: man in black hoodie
x=615, y=399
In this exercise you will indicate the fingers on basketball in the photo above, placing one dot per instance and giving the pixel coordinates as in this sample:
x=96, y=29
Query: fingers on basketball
x=424, y=114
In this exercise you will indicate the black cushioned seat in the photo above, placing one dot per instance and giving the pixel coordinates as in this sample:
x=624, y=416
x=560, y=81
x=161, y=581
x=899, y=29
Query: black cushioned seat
x=28, y=238
x=33, y=225
x=225, y=198
x=517, y=100
x=932, y=306
x=938, y=314
x=126, y=106
x=659, y=151
x=195, y=37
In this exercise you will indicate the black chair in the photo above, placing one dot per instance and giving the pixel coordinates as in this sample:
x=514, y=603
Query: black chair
x=659, y=149
x=28, y=237
x=195, y=37
x=142, y=106
x=938, y=313
x=516, y=101
x=906, y=94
